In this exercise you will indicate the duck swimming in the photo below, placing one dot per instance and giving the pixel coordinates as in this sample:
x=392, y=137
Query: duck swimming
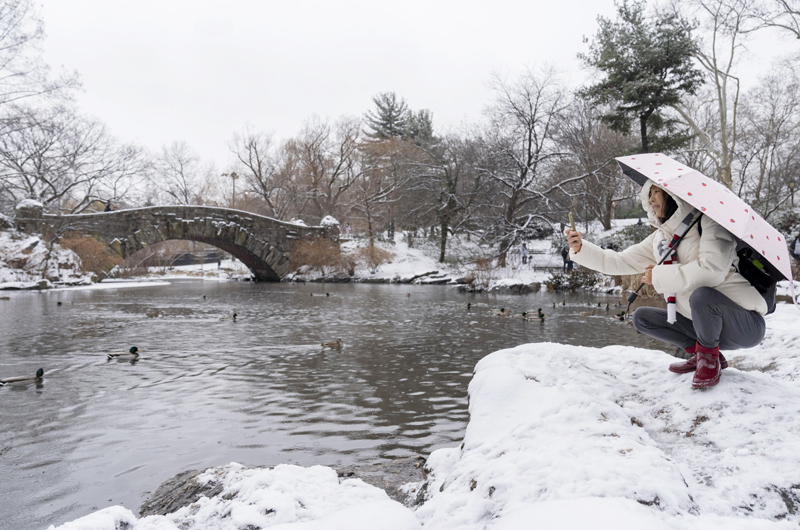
x=23, y=379
x=334, y=344
x=132, y=354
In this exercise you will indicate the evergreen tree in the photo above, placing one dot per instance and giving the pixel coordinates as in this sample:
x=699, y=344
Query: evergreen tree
x=647, y=66
x=390, y=117
x=419, y=127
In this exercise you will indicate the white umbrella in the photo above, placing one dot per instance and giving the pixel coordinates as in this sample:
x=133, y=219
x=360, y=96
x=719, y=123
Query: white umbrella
x=720, y=204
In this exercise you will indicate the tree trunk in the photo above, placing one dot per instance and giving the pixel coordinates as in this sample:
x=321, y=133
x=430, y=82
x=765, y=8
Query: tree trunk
x=643, y=132
x=443, y=240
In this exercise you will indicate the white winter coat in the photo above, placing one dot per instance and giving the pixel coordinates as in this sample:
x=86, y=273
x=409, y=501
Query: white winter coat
x=706, y=260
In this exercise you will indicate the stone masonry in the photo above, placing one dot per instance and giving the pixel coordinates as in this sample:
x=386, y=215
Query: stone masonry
x=262, y=243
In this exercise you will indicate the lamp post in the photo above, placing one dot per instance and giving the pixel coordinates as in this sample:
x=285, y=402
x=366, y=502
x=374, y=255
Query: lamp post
x=233, y=177
x=791, y=190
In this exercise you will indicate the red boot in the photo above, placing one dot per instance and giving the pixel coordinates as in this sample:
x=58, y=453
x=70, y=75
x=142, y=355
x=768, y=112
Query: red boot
x=690, y=365
x=708, y=367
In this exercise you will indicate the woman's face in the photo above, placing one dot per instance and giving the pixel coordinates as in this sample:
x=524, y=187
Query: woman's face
x=657, y=201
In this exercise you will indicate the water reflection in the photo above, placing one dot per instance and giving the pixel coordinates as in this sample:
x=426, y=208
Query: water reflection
x=260, y=391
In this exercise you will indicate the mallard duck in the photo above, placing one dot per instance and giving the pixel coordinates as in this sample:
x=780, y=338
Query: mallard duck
x=501, y=313
x=23, y=380
x=606, y=307
x=232, y=317
x=133, y=353
x=540, y=315
x=563, y=302
x=153, y=313
x=58, y=303
x=587, y=313
x=523, y=315
x=620, y=316
x=469, y=306
x=334, y=344
x=554, y=305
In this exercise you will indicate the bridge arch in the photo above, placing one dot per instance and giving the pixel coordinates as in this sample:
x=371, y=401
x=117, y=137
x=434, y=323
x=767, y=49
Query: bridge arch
x=263, y=244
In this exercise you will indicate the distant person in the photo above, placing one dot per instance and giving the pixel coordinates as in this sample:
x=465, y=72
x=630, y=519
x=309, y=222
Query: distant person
x=525, y=254
x=219, y=264
x=565, y=257
x=347, y=229
x=639, y=222
x=108, y=207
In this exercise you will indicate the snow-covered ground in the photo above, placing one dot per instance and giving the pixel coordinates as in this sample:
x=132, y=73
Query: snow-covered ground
x=563, y=437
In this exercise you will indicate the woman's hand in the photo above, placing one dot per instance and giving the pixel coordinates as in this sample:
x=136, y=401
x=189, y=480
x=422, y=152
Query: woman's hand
x=648, y=275
x=573, y=239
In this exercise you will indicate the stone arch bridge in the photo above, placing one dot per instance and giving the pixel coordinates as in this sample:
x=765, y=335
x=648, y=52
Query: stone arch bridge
x=262, y=243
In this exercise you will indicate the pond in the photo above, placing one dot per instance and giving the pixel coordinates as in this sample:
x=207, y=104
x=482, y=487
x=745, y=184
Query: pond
x=259, y=391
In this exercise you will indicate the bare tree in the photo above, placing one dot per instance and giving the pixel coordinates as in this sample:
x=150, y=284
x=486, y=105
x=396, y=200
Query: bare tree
x=769, y=149
x=448, y=184
x=522, y=150
x=23, y=73
x=330, y=161
x=382, y=179
x=66, y=161
x=780, y=14
x=725, y=23
x=273, y=173
x=179, y=174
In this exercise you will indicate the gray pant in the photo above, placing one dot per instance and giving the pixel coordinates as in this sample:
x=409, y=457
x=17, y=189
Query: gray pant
x=717, y=321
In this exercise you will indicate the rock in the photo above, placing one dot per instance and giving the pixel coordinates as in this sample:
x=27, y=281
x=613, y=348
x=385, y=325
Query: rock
x=391, y=477
x=183, y=489
x=177, y=492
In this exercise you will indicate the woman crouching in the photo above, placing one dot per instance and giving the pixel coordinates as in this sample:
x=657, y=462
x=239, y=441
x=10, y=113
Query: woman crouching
x=717, y=308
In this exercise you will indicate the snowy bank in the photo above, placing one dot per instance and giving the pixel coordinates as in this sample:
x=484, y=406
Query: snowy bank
x=576, y=437
x=25, y=261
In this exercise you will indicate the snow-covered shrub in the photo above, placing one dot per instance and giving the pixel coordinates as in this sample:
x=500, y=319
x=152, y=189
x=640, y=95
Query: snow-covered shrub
x=569, y=281
x=630, y=235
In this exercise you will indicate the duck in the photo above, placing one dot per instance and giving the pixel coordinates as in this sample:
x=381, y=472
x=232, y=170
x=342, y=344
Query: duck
x=58, y=303
x=620, y=316
x=501, y=313
x=554, y=305
x=334, y=344
x=153, y=313
x=587, y=313
x=131, y=354
x=469, y=306
x=232, y=317
x=563, y=302
x=23, y=379
x=606, y=307
x=523, y=315
x=540, y=315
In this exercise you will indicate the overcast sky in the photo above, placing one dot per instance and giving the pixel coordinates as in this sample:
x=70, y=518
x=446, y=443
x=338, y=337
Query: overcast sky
x=157, y=71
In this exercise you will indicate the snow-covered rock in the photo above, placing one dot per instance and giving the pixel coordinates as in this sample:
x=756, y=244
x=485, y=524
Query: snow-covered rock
x=298, y=222
x=595, y=438
x=24, y=261
x=329, y=221
x=285, y=497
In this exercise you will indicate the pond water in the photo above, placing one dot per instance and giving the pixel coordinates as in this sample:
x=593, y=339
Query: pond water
x=259, y=391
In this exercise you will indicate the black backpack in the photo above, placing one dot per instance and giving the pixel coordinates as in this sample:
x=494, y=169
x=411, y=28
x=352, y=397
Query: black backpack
x=760, y=273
